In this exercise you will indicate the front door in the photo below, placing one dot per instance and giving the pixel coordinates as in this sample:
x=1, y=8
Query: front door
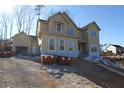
x=82, y=47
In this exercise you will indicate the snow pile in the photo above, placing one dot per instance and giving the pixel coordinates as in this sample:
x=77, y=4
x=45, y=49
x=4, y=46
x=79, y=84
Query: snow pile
x=93, y=58
x=58, y=70
x=109, y=62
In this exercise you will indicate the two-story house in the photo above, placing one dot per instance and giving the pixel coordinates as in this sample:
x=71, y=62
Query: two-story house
x=59, y=35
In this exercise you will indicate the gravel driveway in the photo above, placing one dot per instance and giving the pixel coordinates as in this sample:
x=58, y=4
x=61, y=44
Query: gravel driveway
x=20, y=73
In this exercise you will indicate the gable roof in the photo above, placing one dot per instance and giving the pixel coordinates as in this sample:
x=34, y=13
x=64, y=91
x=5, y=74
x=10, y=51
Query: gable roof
x=18, y=34
x=85, y=27
x=61, y=13
x=41, y=20
x=30, y=36
x=33, y=37
x=117, y=46
x=65, y=14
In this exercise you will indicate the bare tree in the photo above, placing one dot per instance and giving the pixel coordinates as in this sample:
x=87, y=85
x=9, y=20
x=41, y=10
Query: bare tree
x=1, y=28
x=10, y=25
x=29, y=18
x=4, y=23
x=25, y=16
x=19, y=15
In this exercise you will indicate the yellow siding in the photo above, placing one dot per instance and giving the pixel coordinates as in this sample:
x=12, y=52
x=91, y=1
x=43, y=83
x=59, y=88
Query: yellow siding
x=51, y=25
x=23, y=40
x=92, y=40
x=48, y=30
x=57, y=38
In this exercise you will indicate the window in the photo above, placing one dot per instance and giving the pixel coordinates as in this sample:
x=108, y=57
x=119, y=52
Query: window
x=51, y=44
x=94, y=49
x=61, y=45
x=58, y=27
x=70, y=45
x=70, y=32
x=93, y=33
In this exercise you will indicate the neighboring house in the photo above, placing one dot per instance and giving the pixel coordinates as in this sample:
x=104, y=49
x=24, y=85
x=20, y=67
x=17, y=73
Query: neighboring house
x=25, y=44
x=115, y=49
x=103, y=47
x=59, y=35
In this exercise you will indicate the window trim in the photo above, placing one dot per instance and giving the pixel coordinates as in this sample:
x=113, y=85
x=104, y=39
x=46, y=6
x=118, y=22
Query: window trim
x=56, y=26
x=49, y=44
x=59, y=45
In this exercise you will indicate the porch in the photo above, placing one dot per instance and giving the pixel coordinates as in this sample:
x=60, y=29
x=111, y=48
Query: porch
x=83, y=51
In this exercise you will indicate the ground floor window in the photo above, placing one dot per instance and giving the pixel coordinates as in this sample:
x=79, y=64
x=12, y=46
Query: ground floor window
x=61, y=45
x=51, y=44
x=70, y=45
x=94, y=49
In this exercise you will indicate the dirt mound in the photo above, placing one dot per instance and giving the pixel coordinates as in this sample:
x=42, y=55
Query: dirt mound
x=98, y=75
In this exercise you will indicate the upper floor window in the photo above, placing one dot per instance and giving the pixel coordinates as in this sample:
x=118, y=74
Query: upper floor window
x=70, y=31
x=59, y=27
x=61, y=44
x=51, y=44
x=93, y=33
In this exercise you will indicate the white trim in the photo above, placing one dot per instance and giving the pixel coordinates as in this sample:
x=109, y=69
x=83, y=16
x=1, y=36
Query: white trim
x=56, y=26
x=54, y=44
x=59, y=45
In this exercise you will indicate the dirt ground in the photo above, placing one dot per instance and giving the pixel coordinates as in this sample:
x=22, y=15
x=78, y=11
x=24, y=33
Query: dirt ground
x=99, y=75
x=121, y=63
x=20, y=73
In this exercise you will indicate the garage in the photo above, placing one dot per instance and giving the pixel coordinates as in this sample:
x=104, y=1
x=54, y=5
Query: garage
x=22, y=50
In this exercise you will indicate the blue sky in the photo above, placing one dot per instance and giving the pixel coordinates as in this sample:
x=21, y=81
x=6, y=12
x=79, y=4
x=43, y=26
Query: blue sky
x=109, y=18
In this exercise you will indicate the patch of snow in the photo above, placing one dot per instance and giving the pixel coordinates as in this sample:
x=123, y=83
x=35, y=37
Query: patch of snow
x=58, y=70
x=92, y=58
x=109, y=62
